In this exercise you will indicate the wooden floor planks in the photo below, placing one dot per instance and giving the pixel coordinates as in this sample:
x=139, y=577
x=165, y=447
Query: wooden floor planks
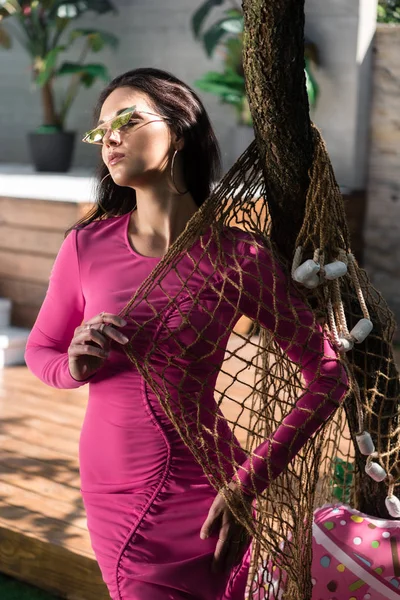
x=43, y=533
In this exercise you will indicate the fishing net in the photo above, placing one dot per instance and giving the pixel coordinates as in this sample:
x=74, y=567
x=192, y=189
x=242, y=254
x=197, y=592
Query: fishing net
x=276, y=377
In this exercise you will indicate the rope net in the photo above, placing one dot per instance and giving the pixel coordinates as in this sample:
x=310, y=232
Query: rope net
x=266, y=409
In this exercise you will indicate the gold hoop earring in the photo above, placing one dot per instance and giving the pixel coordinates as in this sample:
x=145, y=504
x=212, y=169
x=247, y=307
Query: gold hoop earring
x=104, y=178
x=172, y=175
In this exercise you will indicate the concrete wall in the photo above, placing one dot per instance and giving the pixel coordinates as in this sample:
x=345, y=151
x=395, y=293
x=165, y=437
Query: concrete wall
x=157, y=34
x=343, y=32
x=382, y=231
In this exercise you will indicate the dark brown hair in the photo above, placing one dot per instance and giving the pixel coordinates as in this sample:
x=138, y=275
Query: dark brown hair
x=201, y=155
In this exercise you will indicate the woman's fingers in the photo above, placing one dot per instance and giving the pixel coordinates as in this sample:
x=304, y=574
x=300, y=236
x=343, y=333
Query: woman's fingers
x=76, y=350
x=101, y=326
x=231, y=545
x=236, y=552
x=90, y=334
x=107, y=318
x=115, y=335
x=221, y=550
x=222, y=546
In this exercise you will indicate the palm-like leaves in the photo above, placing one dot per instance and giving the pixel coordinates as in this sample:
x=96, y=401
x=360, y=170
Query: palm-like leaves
x=40, y=27
x=230, y=84
x=389, y=11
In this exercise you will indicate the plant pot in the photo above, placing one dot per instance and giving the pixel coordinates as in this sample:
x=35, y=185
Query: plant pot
x=52, y=152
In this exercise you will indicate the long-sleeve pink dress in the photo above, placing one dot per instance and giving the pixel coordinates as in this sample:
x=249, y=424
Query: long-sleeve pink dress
x=145, y=495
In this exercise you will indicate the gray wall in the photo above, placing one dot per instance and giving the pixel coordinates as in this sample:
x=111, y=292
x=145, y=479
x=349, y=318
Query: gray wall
x=157, y=34
x=343, y=32
x=382, y=227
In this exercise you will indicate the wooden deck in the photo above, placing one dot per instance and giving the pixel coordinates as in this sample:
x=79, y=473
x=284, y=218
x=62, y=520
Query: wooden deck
x=43, y=534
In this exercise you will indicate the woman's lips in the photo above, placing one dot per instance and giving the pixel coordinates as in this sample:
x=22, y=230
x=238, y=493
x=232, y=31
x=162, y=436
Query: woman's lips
x=116, y=159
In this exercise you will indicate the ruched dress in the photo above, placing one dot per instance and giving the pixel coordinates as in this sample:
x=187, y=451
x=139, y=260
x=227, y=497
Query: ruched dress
x=146, y=497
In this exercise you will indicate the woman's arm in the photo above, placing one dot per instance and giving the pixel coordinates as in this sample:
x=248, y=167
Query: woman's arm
x=265, y=296
x=61, y=312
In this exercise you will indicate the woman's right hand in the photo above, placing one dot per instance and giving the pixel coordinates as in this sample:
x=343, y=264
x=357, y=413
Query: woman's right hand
x=90, y=346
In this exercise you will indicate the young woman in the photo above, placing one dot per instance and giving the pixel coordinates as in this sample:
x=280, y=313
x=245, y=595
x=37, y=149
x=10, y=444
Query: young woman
x=147, y=499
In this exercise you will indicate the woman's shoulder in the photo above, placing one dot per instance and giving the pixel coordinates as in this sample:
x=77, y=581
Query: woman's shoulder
x=96, y=235
x=98, y=227
x=243, y=238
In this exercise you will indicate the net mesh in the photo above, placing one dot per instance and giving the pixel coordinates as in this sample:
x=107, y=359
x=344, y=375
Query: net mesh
x=227, y=392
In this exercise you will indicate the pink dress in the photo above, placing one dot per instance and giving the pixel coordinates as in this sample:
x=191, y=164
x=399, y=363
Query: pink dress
x=145, y=495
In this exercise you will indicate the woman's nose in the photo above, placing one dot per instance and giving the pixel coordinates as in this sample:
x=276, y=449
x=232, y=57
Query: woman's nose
x=111, y=135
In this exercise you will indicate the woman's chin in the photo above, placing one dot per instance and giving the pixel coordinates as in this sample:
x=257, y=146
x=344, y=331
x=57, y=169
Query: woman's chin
x=120, y=177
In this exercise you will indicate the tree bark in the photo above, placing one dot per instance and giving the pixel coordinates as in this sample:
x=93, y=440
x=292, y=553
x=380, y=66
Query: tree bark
x=273, y=61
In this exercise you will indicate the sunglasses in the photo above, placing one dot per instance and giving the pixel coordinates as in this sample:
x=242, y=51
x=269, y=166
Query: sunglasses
x=95, y=136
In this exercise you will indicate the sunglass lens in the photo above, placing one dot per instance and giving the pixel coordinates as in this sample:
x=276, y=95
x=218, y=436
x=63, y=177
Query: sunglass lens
x=121, y=121
x=95, y=136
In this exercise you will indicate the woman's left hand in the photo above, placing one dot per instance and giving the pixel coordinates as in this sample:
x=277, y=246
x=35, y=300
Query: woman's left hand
x=233, y=538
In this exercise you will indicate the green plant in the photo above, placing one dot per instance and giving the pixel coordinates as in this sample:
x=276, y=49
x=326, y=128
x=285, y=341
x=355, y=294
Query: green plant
x=40, y=27
x=343, y=474
x=226, y=36
x=389, y=11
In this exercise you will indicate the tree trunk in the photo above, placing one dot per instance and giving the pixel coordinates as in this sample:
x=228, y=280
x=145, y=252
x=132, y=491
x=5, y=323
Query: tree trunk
x=49, y=112
x=273, y=61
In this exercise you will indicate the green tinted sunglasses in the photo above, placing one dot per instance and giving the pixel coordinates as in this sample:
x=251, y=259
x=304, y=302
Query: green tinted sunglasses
x=95, y=136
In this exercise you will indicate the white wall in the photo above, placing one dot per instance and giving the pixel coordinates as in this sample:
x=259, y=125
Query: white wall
x=157, y=34
x=343, y=31
x=382, y=227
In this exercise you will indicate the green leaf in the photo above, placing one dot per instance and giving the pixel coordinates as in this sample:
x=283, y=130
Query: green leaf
x=201, y=14
x=214, y=35
x=234, y=12
x=234, y=55
x=97, y=39
x=48, y=64
x=220, y=87
x=233, y=25
x=228, y=80
x=87, y=79
x=95, y=70
x=311, y=85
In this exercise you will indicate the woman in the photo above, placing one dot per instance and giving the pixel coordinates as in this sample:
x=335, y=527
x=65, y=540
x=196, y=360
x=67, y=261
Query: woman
x=147, y=499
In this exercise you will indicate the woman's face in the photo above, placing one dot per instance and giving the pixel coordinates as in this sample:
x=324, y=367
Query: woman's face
x=146, y=141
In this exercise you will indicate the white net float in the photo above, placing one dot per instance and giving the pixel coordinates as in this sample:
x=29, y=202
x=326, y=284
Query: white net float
x=365, y=443
x=306, y=271
x=393, y=506
x=361, y=330
x=311, y=282
x=375, y=471
x=335, y=269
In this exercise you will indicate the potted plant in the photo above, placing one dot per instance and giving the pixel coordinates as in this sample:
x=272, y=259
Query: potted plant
x=40, y=28
x=226, y=37
x=389, y=11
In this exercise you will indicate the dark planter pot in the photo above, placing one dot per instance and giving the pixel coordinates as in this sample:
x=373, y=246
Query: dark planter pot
x=52, y=152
